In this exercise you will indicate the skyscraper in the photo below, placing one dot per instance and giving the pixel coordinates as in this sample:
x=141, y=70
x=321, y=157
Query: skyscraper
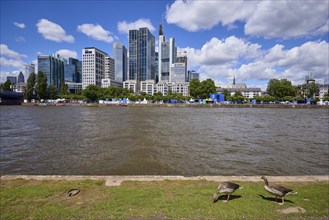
x=53, y=67
x=29, y=68
x=109, y=68
x=141, y=55
x=20, y=78
x=166, y=56
x=121, y=62
x=93, y=66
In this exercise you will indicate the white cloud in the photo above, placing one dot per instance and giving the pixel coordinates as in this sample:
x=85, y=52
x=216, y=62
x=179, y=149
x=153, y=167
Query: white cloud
x=199, y=15
x=20, y=39
x=124, y=27
x=96, y=32
x=67, y=53
x=17, y=63
x=4, y=74
x=288, y=19
x=216, y=51
x=5, y=51
x=249, y=62
x=19, y=25
x=269, y=19
x=10, y=59
x=52, y=31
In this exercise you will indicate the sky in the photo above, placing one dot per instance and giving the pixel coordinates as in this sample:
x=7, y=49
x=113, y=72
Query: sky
x=253, y=41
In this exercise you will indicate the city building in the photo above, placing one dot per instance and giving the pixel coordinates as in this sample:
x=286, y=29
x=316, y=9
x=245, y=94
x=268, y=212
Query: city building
x=172, y=68
x=20, y=78
x=131, y=85
x=121, y=62
x=166, y=56
x=12, y=79
x=29, y=68
x=53, y=67
x=323, y=90
x=148, y=86
x=165, y=87
x=179, y=69
x=93, y=66
x=109, y=68
x=141, y=55
x=241, y=87
x=191, y=74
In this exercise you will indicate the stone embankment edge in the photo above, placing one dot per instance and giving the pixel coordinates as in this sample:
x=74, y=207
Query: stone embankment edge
x=117, y=180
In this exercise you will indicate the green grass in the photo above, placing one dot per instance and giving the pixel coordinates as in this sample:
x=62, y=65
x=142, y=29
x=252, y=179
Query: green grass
x=32, y=199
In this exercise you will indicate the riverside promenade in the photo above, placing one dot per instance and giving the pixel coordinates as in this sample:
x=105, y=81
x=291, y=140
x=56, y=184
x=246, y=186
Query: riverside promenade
x=117, y=180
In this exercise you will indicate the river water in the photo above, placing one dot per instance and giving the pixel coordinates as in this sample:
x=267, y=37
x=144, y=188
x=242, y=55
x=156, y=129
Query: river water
x=71, y=140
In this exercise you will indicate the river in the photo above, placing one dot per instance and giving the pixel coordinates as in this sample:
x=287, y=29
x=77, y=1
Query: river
x=77, y=140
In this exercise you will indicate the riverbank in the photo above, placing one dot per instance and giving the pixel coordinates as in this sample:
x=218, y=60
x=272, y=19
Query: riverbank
x=159, y=197
x=184, y=105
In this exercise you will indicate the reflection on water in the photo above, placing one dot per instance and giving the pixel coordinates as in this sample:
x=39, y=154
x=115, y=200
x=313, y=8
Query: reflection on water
x=163, y=141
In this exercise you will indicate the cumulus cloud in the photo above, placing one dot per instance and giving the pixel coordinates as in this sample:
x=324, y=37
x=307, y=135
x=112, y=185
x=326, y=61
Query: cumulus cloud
x=288, y=19
x=11, y=59
x=4, y=74
x=195, y=15
x=124, y=26
x=52, y=31
x=19, y=25
x=269, y=19
x=96, y=32
x=5, y=51
x=216, y=51
x=249, y=61
x=67, y=53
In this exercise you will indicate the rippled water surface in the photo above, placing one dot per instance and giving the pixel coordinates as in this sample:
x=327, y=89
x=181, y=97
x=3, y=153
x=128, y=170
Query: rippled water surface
x=163, y=141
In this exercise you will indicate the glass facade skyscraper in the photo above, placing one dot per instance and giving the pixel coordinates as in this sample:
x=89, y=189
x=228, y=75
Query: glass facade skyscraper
x=141, y=55
x=121, y=65
x=53, y=67
x=20, y=78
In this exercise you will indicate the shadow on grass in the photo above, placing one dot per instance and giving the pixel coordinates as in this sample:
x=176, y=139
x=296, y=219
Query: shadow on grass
x=274, y=200
x=224, y=197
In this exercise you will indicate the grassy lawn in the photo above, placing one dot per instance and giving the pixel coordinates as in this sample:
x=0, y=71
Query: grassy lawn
x=33, y=199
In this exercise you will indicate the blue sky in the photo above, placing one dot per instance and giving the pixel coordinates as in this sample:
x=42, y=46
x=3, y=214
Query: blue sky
x=254, y=41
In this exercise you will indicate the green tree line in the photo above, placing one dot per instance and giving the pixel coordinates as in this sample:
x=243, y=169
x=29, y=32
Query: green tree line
x=277, y=90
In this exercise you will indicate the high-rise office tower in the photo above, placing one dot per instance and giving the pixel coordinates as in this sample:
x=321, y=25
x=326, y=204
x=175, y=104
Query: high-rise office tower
x=20, y=78
x=93, y=66
x=109, y=68
x=141, y=55
x=121, y=62
x=166, y=56
x=53, y=67
x=29, y=68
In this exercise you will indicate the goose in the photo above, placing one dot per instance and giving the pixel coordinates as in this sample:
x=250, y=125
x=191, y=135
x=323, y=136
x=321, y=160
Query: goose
x=227, y=188
x=277, y=190
x=73, y=192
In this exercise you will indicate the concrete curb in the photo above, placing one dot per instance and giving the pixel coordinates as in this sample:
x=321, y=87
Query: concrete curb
x=117, y=180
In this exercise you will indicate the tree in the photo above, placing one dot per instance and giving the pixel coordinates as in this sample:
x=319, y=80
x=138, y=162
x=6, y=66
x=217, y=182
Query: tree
x=111, y=92
x=310, y=89
x=41, y=87
x=30, y=87
x=206, y=88
x=64, y=90
x=194, y=88
x=7, y=86
x=52, y=91
x=227, y=94
x=92, y=92
x=280, y=88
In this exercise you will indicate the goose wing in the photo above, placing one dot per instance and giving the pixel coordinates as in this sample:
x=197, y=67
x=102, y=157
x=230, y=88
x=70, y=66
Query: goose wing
x=280, y=190
x=227, y=187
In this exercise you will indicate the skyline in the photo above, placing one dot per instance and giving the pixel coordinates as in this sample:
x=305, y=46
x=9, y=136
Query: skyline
x=254, y=41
